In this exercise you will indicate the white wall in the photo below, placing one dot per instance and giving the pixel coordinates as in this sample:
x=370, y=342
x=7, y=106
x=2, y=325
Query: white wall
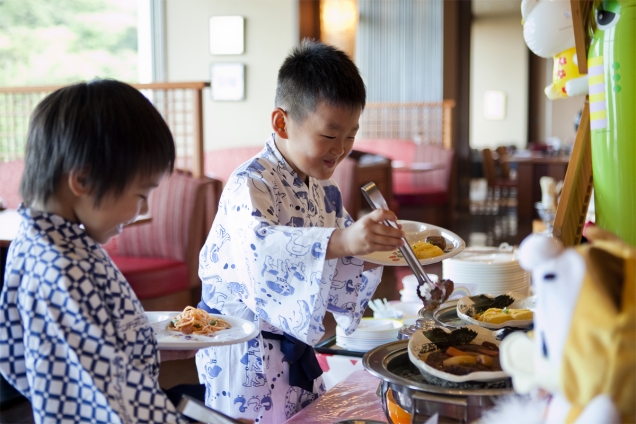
x=499, y=62
x=271, y=30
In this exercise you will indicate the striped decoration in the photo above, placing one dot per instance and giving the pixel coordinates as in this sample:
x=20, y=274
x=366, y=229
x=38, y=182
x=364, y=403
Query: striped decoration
x=596, y=82
x=399, y=49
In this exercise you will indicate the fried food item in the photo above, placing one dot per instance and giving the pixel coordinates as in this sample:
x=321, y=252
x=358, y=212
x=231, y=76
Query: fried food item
x=498, y=316
x=424, y=250
x=438, y=241
x=462, y=359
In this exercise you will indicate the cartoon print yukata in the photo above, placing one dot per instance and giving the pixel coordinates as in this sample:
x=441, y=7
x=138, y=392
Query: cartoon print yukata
x=73, y=331
x=264, y=261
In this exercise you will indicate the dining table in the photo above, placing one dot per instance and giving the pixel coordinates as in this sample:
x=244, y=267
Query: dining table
x=531, y=166
x=10, y=224
x=401, y=166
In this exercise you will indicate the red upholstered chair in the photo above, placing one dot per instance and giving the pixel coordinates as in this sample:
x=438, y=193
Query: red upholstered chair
x=160, y=259
x=420, y=195
x=10, y=175
x=355, y=171
x=220, y=163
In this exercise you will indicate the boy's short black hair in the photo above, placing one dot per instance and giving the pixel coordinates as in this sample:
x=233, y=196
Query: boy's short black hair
x=316, y=72
x=104, y=128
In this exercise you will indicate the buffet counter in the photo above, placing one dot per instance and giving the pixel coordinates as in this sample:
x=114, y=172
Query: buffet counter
x=353, y=397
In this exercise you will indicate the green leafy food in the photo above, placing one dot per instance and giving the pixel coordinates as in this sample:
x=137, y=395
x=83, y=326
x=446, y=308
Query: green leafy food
x=482, y=303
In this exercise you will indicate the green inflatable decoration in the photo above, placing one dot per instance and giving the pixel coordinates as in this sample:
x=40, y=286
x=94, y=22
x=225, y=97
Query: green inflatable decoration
x=612, y=85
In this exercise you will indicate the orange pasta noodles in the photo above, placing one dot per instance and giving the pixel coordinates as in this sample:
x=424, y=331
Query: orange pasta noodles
x=197, y=321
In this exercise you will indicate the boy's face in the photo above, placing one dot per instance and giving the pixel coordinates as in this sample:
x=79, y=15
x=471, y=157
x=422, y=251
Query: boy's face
x=315, y=146
x=114, y=212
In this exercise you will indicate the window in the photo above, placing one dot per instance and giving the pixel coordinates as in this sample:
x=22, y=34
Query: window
x=64, y=41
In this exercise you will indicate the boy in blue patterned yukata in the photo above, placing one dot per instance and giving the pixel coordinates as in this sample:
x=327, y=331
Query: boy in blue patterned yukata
x=73, y=336
x=281, y=251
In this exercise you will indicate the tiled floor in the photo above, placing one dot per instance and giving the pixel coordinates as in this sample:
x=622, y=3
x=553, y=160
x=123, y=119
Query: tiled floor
x=489, y=223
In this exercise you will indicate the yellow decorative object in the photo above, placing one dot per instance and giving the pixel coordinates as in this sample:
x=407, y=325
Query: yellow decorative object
x=603, y=337
x=564, y=70
x=548, y=32
x=583, y=352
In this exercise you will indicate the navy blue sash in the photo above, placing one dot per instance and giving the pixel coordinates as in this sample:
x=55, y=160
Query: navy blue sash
x=303, y=364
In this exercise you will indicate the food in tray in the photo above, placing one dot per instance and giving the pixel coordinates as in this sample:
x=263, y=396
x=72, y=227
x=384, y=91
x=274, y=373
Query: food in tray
x=425, y=250
x=197, y=321
x=482, y=303
x=464, y=359
x=498, y=315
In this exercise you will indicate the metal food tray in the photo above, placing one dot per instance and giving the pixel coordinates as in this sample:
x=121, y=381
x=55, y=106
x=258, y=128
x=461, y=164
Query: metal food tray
x=422, y=398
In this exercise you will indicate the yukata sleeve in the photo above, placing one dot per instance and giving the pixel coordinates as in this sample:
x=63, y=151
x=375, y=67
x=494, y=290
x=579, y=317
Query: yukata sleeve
x=71, y=359
x=278, y=270
x=351, y=287
x=350, y=292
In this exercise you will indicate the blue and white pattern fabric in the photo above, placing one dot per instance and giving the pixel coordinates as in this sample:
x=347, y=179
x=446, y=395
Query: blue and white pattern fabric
x=264, y=261
x=73, y=337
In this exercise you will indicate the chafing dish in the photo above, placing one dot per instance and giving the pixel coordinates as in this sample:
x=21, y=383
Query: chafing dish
x=454, y=402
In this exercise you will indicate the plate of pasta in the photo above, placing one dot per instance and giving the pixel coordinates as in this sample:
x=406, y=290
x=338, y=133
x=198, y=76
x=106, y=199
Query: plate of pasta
x=430, y=243
x=195, y=328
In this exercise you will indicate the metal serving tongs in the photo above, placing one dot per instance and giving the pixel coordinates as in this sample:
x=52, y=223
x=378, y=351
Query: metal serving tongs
x=438, y=293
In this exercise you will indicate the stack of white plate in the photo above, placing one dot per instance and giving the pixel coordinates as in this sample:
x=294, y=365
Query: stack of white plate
x=371, y=332
x=487, y=271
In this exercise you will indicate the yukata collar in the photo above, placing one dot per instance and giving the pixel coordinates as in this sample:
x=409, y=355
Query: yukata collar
x=278, y=157
x=60, y=230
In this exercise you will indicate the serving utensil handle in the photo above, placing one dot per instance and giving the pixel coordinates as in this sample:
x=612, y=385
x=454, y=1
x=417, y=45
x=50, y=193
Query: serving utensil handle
x=376, y=200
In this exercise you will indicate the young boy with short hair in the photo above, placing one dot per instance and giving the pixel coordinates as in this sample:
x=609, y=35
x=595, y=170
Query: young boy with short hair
x=281, y=251
x=73, y=336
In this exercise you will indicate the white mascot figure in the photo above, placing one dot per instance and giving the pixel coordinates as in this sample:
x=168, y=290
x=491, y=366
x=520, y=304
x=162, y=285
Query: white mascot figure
x=549, y=33
x=579, y=363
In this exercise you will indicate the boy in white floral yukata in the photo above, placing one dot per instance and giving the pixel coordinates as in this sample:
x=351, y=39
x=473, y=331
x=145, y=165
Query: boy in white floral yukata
x=281, y=251
x=73, y=336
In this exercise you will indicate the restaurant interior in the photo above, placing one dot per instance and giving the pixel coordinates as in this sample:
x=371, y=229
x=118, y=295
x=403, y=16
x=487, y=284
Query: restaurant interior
x=459, y=135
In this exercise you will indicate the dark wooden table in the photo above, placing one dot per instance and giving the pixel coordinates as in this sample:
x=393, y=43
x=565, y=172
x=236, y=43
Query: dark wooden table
x=530, y=169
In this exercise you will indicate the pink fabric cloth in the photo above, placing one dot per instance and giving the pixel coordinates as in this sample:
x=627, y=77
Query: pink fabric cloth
x=353, y=397
x=221, y=163
x=10, y=175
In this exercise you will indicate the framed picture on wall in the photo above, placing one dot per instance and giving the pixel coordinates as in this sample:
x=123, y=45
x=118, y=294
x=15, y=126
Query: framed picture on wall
x=227, y=81
x=227, y=35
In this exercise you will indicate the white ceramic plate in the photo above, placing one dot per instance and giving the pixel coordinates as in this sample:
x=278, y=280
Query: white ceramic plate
x=417, y=232
x=483, y=335
x=521, y=302
x=241, y=331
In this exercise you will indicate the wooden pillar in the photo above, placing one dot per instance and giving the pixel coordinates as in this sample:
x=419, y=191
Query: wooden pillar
x=198, y=170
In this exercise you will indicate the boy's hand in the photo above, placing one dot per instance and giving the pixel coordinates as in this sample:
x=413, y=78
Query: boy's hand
x=366, y=235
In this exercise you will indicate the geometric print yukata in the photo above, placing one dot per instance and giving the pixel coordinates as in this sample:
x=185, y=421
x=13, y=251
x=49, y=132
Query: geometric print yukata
x=264, y=261
x=73, y=336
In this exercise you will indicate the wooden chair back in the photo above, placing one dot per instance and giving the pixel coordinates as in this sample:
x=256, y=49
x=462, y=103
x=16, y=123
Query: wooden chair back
x=504, y=166
x=488, y=167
